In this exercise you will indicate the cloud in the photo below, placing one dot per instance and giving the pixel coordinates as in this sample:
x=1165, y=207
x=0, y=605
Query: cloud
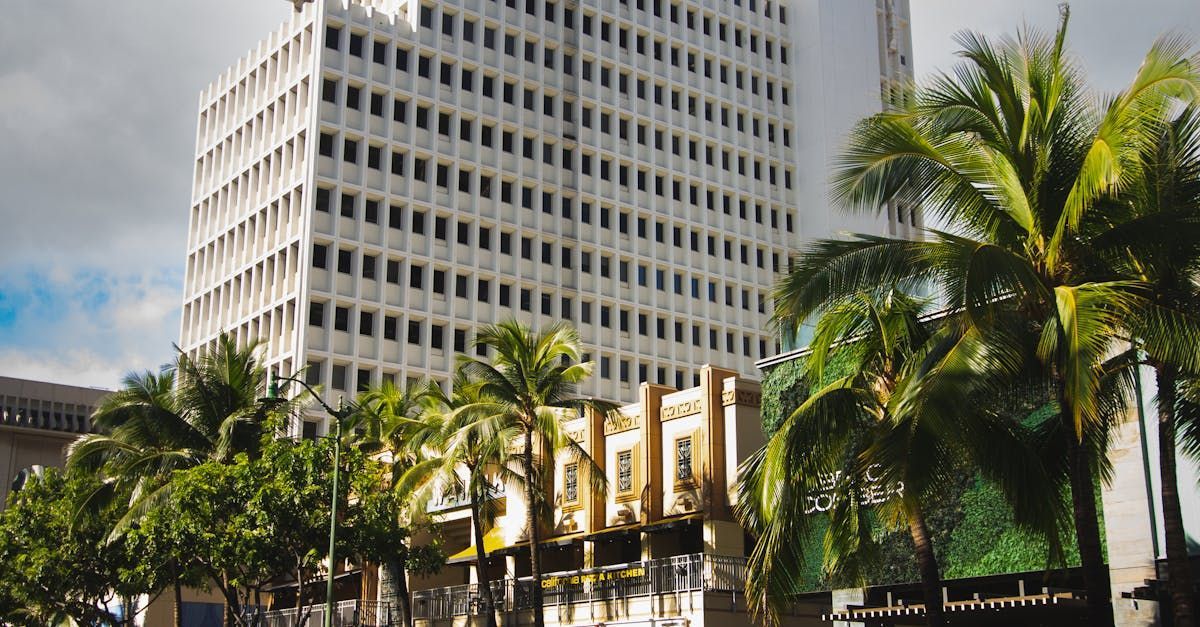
x=98, y=104
x=88, y=328
x=1108, y=37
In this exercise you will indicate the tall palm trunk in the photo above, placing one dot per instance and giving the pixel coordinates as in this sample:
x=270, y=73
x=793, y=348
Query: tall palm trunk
x=400, y=581
x=229, y=603
x=177, y=616
x=1087, y=532
x=1179, y=574
x=535, y=560
x=931, y=581
x=481, y=574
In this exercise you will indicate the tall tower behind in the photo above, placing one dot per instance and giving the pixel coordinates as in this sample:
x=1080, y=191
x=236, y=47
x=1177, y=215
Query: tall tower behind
x=379, y=178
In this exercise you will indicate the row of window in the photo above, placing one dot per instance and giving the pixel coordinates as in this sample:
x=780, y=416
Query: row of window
x=343, y=320
x=565, y=259
x=349, y=206
x=364, y=376
x=550, y=11
x=330, y=89
x=624, y=481
x=552, y=58
x=447, y=176
x=466, y=31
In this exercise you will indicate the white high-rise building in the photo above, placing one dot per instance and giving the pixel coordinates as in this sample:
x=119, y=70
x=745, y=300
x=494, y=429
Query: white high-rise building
x=380, y=177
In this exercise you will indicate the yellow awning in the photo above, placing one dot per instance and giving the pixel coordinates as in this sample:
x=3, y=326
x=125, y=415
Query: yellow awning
x=492, y=541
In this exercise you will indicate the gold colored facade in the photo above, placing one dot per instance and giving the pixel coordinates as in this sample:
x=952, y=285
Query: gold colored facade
x=660, y=547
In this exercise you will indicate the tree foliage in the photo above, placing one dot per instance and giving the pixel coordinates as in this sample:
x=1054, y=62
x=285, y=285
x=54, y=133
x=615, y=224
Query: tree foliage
x=56, y=562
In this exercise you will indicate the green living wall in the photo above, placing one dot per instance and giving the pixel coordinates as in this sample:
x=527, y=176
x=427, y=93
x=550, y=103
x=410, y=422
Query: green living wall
x=973, y=529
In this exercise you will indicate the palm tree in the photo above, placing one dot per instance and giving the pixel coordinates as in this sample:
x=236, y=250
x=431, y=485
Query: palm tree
x=1157, y=242
x=467, y=452
x=530, y=383
x=885, y=435
x=389, y=424
x=199, y=409
x=1009, y=152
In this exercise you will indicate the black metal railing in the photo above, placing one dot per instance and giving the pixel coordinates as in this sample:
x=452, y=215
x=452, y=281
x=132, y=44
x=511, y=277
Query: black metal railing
x=352, y=613
x=683, y=573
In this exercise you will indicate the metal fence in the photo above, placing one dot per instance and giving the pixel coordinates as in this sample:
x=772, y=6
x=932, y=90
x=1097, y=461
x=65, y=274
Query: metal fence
x=353, y=613
x=682, y=573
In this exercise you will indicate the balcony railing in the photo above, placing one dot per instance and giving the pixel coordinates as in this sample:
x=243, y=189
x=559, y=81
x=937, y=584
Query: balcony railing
x=353, y=613
x=684, y=573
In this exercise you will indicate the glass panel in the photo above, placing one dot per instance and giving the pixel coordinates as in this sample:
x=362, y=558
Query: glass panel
x=625, y=471
x=683, y=459
x=571, y=483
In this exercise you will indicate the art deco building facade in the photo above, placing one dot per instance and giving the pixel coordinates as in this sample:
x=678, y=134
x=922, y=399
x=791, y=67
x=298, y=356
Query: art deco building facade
x=379, y=178
x=660, y=547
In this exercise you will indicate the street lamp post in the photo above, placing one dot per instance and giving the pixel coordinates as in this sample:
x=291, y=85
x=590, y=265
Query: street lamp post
x=341, y=413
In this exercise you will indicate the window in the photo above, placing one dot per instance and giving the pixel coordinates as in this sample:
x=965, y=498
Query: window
x=625, y=481
x=571, y=483
x=312, y=374
x=366, y=323
x=341, y=318
x=683, y=461
x=345, y=261
x=320, y=254
x=316, y=314
x=389, y=327
x=439, y=281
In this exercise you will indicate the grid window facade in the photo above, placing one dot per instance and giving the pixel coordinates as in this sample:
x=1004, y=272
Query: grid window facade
x=663, y=137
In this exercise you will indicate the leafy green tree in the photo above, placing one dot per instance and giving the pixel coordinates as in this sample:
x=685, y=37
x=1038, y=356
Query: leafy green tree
x=1014, y=157
x=1157, y=242
x=388, y=426
x=530, y=384
x=250, y=522
x=466, y=451
x=380, y=531
x=57, y=565
x=203, y=408
x=880, y=441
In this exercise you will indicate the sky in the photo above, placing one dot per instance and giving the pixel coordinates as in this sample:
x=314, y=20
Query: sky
x=98, y=106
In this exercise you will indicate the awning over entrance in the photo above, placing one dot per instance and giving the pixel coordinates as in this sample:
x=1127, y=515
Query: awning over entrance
x=613, y=534
x=555, y=542
x=493, y=541
x=673, y=523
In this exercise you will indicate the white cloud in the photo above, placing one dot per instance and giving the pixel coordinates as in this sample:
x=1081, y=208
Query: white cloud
x=86, y=328
x=74, y=367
